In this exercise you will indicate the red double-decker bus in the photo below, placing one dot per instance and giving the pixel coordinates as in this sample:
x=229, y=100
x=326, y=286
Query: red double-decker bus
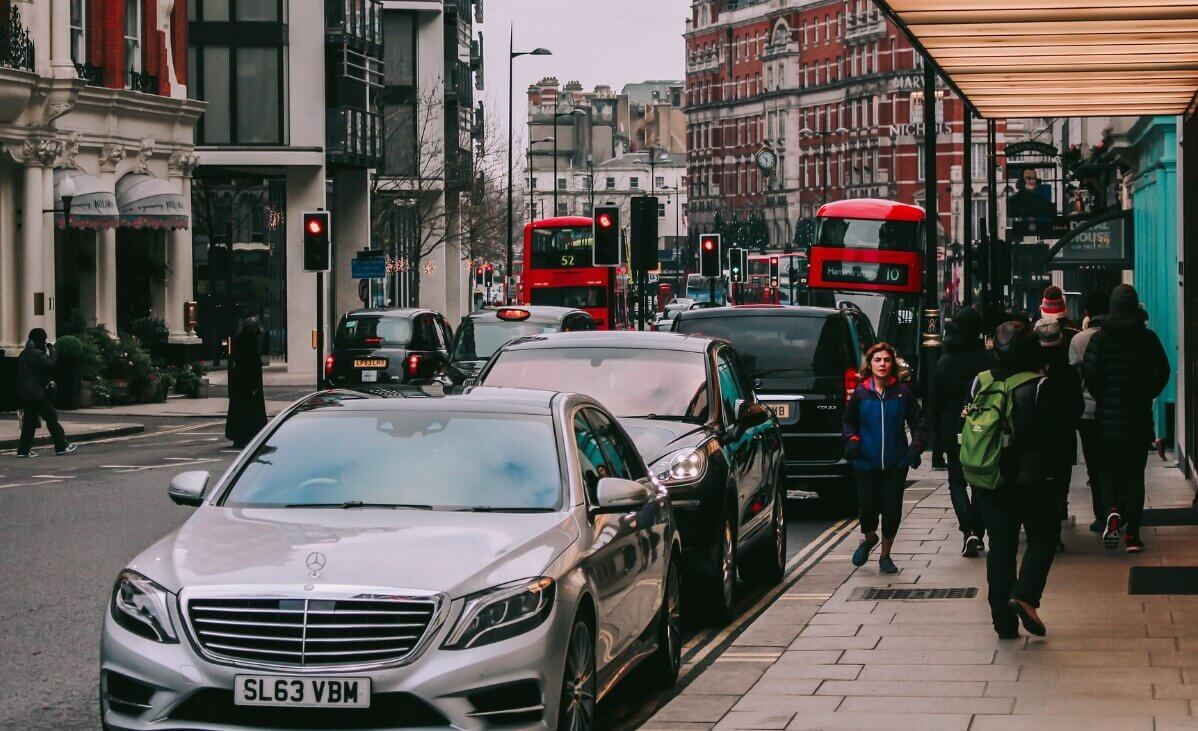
x=868, y=253
x=559, y=271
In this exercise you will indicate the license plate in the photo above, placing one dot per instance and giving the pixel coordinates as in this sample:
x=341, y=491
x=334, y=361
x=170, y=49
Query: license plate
x=782, y=411
x=370, y=363
x=301, y=692
x=370, y=376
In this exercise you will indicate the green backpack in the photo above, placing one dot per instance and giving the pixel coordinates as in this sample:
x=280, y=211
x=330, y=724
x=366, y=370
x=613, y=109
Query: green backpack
x=987, y=429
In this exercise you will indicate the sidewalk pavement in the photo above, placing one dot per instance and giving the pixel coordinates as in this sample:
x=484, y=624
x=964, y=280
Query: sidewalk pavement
x=272, y=375
x=10, y=431
x=819, y=658
x=182, y=407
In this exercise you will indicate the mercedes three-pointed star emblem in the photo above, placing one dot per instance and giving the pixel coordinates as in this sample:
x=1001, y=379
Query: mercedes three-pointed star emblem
x=315, y=561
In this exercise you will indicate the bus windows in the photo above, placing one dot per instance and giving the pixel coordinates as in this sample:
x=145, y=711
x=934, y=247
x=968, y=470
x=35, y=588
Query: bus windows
x=868, y=234
x=576, y=297
x=561, y=248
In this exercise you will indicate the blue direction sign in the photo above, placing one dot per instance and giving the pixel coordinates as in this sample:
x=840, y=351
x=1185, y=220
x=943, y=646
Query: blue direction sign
x=374, y=267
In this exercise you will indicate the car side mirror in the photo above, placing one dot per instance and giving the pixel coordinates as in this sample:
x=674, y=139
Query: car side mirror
x=188, y=488
x=617, y=495
x=749, y=413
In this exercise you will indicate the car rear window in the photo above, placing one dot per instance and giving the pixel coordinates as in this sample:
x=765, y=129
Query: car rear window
x=358, y=332
x=778, y=345
x=478, y=340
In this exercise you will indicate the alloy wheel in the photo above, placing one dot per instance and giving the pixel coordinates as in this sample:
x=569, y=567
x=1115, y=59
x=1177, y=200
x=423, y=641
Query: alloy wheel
x=578, y=682
x=673, y=619
x=728, y=564
x=780, y=531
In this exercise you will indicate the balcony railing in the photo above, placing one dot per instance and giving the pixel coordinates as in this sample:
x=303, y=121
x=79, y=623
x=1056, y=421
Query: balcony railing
x=460, y=7
x=353, y=138
x=16, y=46
x=138, y=81
x=459, y=86
x=358, y=23
x=93, y=75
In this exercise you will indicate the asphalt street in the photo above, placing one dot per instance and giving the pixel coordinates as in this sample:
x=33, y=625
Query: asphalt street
x=69, y=524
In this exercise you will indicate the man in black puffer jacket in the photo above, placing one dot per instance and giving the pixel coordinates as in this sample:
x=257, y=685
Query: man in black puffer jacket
x=1125, y=368
x=965, y=356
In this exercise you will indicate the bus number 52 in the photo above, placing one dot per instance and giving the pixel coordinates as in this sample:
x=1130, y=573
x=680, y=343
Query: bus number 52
x=568, y=260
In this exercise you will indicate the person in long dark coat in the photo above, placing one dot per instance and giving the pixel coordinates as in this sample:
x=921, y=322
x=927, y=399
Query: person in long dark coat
x=35, y=373
x=247, y=403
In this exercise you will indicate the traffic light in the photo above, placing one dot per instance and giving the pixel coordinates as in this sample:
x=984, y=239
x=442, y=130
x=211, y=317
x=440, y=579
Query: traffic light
x=775, y=271
x=738, y=265
x=489, y=276
x=643, y=232
x=979, y=262
x=606, y=234
x=709, y=255
x=317, y=242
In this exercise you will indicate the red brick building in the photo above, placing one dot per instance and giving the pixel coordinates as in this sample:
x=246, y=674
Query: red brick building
x=834, y=91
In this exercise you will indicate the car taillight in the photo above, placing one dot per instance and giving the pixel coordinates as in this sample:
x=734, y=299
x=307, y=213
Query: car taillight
x=373, y=341
x=413, y=364
x=852, y=379
x=328, y=366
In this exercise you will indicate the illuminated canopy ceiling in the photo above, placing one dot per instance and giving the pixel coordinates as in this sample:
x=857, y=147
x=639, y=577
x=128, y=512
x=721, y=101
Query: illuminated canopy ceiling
x=1061, y=58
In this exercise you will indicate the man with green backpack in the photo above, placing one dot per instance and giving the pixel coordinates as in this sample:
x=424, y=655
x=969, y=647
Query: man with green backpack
x=1008, y=456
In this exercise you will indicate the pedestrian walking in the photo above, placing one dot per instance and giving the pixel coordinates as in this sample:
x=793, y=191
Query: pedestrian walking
x=1097, y=305
x=35, y=395
x=1125, y=368
x=247, y=404
x=876, y=443
x=1054, y=351
x=1054, y=307
x=1023, y=493
x=965, y=356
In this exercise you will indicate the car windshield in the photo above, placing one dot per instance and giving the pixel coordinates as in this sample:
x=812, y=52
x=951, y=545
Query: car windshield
x=425, y=459
x=628, y=381
x=777, y=345
x=357, y=332
x=479, y=339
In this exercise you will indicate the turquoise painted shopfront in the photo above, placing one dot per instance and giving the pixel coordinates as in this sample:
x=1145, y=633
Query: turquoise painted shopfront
x=1154, y=192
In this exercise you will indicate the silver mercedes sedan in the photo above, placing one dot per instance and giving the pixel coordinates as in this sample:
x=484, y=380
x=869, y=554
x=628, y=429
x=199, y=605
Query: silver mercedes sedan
x=402, y=560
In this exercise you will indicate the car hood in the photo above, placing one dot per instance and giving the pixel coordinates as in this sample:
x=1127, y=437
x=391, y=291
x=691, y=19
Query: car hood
x=456, y=553
x=656, y=438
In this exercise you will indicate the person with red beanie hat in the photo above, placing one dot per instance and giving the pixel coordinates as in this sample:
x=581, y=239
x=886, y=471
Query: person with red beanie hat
x=1053, y=306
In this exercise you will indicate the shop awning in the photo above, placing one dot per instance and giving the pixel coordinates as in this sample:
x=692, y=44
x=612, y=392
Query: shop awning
x=93, y=205
x=1060, y=58
x=149, y=202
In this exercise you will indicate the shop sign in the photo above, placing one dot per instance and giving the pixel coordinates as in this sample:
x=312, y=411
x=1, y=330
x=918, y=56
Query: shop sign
x=1107, y=241
x=1030, y=147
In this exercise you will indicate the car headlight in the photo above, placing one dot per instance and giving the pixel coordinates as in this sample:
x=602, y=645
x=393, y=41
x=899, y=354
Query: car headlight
x=141, y=606
x=684, y=466
x=502, y=612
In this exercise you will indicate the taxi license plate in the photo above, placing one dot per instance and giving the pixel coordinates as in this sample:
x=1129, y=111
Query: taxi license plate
x=370, y=363
x=782, y=411
x=301, y=692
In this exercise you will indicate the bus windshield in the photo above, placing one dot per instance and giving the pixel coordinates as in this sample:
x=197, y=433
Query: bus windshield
x=561, y=248
x=868, y=234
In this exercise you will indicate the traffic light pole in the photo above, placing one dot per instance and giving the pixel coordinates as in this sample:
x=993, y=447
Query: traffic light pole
x=319, y=329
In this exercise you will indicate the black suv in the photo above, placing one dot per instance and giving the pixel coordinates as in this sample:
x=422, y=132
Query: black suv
x=804, y=362
x=483, y=331
x=389, y=347
x=689, y=406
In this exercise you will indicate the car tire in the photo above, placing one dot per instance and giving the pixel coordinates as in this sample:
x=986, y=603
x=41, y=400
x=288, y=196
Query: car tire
x=768, y=563
x=576, y=707
x=721, y=574
x=664, y=664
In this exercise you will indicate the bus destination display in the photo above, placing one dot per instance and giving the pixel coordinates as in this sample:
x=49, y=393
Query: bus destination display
x=860, y=272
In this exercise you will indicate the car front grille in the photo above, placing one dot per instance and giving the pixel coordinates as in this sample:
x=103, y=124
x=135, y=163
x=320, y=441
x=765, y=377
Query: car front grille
x=311, y=632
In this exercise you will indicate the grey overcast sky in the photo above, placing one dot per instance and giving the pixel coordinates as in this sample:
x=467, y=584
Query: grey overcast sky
x=612, y=42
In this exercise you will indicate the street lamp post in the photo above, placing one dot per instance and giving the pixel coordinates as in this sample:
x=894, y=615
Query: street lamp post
x=557, y=116
x=823, y=135
x=512, y=56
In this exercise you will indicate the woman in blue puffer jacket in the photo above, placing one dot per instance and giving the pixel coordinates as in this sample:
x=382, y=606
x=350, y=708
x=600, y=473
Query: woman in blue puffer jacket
x=876, y=443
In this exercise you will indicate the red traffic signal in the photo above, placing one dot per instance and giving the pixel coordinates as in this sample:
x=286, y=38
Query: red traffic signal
x=315, y=226
x=605, y=220
x=317, y=244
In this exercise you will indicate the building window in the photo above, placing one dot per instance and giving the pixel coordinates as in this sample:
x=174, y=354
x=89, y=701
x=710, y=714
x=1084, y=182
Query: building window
x=611, y=183
x=661, y=210
x=980, y=159
x=561, y=184
x=634, y=183
x=563, y=209
x=241, y=75
x=533, y=182
x=586, y=208
x=78, y=31
x=659, y=181
x=133, y=35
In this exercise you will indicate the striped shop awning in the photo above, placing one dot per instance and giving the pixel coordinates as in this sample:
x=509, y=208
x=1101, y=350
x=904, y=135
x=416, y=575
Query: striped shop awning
x=1060, y=58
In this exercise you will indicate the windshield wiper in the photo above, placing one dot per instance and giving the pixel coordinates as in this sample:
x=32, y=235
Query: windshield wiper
x=772, y=371
x=667, y=417
x=498, y=509
x=351, y=504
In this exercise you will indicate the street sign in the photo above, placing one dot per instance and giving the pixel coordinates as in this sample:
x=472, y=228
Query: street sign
x=374, y=267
